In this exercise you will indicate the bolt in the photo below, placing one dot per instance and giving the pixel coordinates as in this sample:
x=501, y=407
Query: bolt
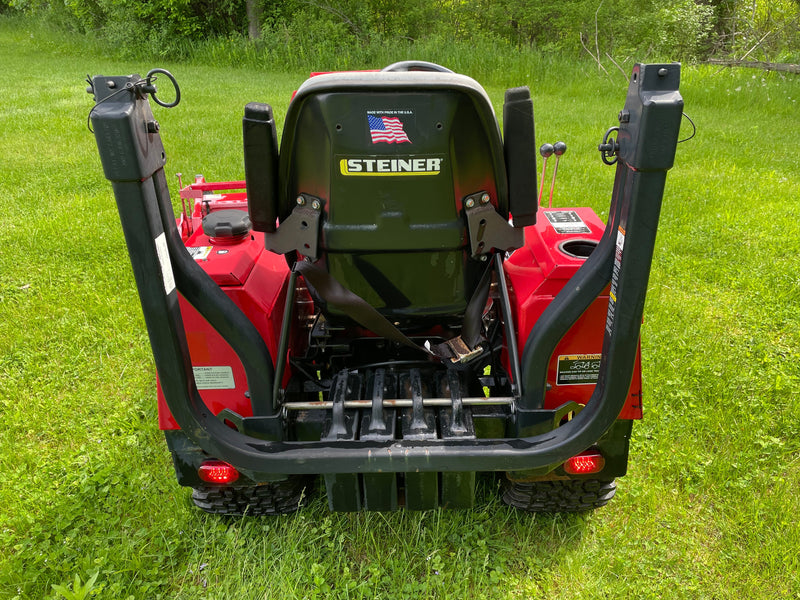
x=301, y=201
x=484, y=258
x=485, y=199
x=316, y=205
x=111, y=84
x=662, y=72
x=624, y=116
x=470, y=202
x=152, y=127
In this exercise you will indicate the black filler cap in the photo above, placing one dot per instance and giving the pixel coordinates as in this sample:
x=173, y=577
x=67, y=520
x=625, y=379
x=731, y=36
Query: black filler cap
x=231, y=223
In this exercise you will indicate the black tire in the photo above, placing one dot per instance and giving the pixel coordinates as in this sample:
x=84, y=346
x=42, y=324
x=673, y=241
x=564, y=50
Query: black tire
x=572, y=495
x=278, y=498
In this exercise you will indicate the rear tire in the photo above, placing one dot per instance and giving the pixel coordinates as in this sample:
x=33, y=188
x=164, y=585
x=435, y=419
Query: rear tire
x=278, y=498
x=569, y=495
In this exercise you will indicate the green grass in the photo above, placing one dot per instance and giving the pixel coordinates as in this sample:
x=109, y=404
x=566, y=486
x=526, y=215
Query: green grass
x=709, y=508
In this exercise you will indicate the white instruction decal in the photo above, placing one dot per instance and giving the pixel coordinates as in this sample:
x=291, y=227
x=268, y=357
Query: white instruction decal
x=566, y=221
x=214, y=378
x=166, y=267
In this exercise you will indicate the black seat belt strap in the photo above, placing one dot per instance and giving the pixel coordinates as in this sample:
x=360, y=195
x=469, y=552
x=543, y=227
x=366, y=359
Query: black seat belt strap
x=459, y=349
x=354, y=306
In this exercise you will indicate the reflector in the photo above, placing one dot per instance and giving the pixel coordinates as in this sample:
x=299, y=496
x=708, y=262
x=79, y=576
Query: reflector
x=585, y=464
x=216, y=471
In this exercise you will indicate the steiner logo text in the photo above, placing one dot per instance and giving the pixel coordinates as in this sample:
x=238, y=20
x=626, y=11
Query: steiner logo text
x=391, y=166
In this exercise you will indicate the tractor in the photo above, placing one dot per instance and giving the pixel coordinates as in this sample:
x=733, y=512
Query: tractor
x=384, y=306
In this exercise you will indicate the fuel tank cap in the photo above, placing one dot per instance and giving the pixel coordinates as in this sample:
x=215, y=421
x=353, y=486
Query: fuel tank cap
x=227, y=225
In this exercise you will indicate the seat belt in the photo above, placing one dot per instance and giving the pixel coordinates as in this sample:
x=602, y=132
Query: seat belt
x=460, y=349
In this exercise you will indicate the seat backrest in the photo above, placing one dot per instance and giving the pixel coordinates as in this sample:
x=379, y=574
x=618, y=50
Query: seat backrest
x=391, y=156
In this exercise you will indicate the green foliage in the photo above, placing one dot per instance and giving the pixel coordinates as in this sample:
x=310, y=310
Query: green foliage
x=410, y=19
x=708, y=510
x=678, y=28
x=767, y=30
x=161, y=25
x=79, y=591
x=686, y=30
x=683, y=29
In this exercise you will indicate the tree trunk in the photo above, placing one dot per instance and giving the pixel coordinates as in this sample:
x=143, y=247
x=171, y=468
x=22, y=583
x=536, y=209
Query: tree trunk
x=254, y=10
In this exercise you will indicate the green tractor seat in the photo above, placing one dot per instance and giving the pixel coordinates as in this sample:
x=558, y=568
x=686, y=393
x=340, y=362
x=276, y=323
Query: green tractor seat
x=375, y=174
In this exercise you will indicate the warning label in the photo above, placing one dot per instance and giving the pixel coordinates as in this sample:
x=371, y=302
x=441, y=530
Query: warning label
x=578, y=369
x=612, y=294
x=566, y=221
x=199, y=252
x=214, y=378
x=166, y=266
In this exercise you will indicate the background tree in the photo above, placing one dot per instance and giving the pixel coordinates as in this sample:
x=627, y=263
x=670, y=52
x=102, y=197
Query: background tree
x=254, y=12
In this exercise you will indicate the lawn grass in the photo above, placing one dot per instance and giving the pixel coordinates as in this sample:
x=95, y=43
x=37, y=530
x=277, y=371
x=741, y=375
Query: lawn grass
x=709, y=508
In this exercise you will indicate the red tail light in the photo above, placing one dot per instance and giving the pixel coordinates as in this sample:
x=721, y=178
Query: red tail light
x=585, y=464
x=216, y=471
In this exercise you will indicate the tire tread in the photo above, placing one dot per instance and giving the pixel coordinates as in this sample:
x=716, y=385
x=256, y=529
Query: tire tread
x=574, y=495
x=278, y=498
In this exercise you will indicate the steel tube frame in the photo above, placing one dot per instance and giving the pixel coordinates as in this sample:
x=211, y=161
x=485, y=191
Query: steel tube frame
x=401, y=403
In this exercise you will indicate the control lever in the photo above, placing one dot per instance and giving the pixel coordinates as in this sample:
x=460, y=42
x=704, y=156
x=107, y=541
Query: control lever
x=546, y=151
x=559, y=148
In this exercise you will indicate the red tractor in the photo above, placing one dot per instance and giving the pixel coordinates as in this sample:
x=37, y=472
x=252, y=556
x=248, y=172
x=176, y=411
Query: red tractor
x=383, y=302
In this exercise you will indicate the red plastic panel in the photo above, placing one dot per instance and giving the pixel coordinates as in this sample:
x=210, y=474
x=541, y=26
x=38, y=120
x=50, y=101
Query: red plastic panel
x=536, y=273
x=256, y=281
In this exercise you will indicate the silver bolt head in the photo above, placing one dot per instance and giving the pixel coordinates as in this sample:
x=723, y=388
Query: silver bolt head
x=470, y=202
x=301, y=201
x=316, y=205
x=485, y=199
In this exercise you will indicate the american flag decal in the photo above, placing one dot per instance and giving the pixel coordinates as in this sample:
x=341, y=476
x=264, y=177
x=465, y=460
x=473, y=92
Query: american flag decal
x=386, y=129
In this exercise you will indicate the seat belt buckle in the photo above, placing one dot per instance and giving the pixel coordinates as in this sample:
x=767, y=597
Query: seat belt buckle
x=461, y=352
